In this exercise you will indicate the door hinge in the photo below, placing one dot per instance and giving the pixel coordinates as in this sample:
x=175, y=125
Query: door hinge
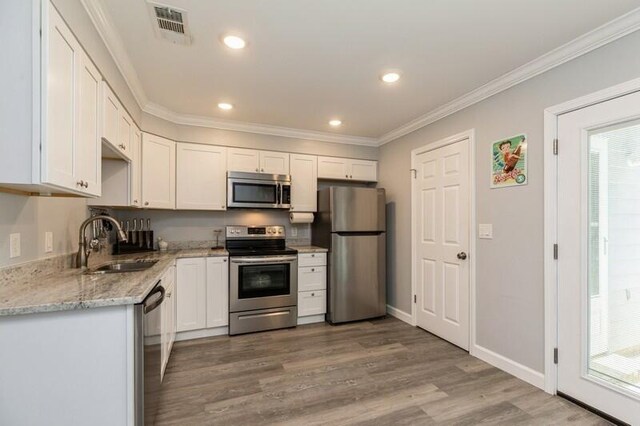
x=415, y=298
x=415, y=173
x=555, y=146
x=555, y=355
x=555, y=252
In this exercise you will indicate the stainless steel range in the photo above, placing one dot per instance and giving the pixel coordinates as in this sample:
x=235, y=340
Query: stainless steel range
x=263, y=279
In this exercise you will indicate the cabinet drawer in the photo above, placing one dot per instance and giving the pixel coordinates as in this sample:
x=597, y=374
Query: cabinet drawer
x=312, y=303
x=312, y=278
x=312, y=259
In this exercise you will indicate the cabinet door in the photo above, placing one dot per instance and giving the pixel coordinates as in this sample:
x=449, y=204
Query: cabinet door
x=135, y=168
x=276, y=163
x=60, y=147
x=110, y=115
x=333, y=168
x=125, y=133
x=217, y=292
x=364, y=170
x=201, y=181
x=191, y=292
x=243, y=160
x=89, y=147
x=304, y=183
x=158, y=172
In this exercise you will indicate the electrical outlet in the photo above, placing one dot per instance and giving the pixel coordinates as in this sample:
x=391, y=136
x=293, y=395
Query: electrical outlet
x=294, y=231
x=14, y=245
x=48, y=242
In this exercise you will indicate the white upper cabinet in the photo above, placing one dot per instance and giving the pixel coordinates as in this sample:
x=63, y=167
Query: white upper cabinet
x=304, y=182
x=117, y=127
x=217, y=292
x=364, y=170
x=201, y=177
x=158, y=172
x=70, y=147
x=276, y=163
x=253, y=161
x=135, y=168
x=347, y=169
x=243, y=160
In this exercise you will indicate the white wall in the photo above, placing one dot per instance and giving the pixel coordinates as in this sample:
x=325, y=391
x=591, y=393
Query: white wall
x=509, y=267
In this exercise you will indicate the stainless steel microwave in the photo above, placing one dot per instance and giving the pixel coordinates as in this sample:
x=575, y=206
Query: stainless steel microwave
x=258, y=190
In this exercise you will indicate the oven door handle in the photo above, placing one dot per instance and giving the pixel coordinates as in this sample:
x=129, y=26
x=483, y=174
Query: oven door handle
x=273, y=259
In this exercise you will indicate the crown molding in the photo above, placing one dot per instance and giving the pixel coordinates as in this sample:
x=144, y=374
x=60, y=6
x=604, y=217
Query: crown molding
x=607, y=33
x=115, y=46
x=264, y=129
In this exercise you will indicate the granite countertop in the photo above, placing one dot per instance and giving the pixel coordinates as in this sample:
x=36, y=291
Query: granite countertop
x=309, y=249
x=72, y=289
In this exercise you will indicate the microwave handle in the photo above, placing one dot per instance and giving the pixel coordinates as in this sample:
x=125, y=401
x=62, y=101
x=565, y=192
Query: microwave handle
x=279, y=194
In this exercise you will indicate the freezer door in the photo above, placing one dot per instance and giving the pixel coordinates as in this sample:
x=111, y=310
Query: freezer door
x=357, y=279
x=357, y=209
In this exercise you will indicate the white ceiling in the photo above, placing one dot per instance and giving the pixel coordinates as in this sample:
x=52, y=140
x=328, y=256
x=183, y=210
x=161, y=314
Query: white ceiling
x=312, y=60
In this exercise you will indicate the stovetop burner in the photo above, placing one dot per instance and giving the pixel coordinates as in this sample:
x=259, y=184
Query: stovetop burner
x=257, y=241
x=261, y=252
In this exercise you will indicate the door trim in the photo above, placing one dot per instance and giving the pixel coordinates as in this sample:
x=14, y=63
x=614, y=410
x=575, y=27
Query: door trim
x=551, y=116
x=470, y=135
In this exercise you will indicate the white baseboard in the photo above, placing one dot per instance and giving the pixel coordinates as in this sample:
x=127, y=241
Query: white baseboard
x=310, y=319
x=199, y=334
x=518, y=370
x=401, y=315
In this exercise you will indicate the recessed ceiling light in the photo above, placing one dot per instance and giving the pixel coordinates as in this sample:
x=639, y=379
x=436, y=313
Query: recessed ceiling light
x=335, y=123
x=225, y=106
x=234, y=42
x=390, y=77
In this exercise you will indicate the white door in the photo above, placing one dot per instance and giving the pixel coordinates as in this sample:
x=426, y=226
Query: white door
x=191, y=290
x=158, y=172
x=276, y=163
x=440, y=203
x=304, y=183
x=110, y=115
x=243, y=160
x=217, y=292
x=201, y=181
x=599, y=256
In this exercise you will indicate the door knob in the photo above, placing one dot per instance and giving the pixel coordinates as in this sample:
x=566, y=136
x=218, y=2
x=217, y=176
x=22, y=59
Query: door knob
x=462, y=255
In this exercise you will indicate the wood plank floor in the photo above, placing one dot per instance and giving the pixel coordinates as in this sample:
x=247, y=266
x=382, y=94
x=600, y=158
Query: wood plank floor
x=381, y=372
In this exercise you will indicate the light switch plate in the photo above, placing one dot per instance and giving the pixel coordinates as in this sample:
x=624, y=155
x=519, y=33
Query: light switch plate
x=485, y=231
x=14, y=245
x=48, y=242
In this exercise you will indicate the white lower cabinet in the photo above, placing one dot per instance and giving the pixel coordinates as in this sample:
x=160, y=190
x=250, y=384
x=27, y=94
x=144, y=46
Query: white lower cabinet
x=202, y=293
x=312, y=286
x=217, y=292
x=191, y=293
x=168, y=318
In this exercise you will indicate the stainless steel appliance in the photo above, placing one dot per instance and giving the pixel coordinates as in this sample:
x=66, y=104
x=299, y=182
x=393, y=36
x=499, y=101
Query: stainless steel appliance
x=258, y=190
x=263, y=279
x=147, y=362
x=351, y=224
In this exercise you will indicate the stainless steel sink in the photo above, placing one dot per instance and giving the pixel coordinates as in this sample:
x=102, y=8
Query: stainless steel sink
x=123, y=266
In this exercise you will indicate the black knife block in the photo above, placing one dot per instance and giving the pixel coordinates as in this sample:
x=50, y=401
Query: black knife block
x=138, y=242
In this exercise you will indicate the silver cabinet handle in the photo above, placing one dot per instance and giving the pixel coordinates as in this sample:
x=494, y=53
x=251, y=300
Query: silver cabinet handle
x=80, y=183
x=223, y=207
x=313, y=255
x=262, y=170
x=224, y=260
x=347, y=176
x=135, y=201
x=350, y=176
x=313, y=269
x=86, y=184
x=257, y=170
x=146, y=203
x=462, y=255
x=313, y=295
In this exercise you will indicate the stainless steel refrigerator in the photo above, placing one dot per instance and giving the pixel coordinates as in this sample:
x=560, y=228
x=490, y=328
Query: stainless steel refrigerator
x=351, y=224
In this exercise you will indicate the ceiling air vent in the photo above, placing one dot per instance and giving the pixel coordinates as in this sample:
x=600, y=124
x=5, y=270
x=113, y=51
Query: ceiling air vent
x=170, y=23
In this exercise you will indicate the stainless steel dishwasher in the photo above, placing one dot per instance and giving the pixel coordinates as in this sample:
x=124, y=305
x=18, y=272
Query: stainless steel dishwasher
x=147, y=357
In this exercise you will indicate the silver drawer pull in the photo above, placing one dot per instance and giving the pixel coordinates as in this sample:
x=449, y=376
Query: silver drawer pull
x=272, y=314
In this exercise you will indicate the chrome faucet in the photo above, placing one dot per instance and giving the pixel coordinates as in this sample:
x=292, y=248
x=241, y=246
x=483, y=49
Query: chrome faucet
x=83, y=252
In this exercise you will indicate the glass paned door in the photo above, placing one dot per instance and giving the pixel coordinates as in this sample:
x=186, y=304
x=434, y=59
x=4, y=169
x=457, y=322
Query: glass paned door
x=264, y=280
x=598, y=266
x=614, y=254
